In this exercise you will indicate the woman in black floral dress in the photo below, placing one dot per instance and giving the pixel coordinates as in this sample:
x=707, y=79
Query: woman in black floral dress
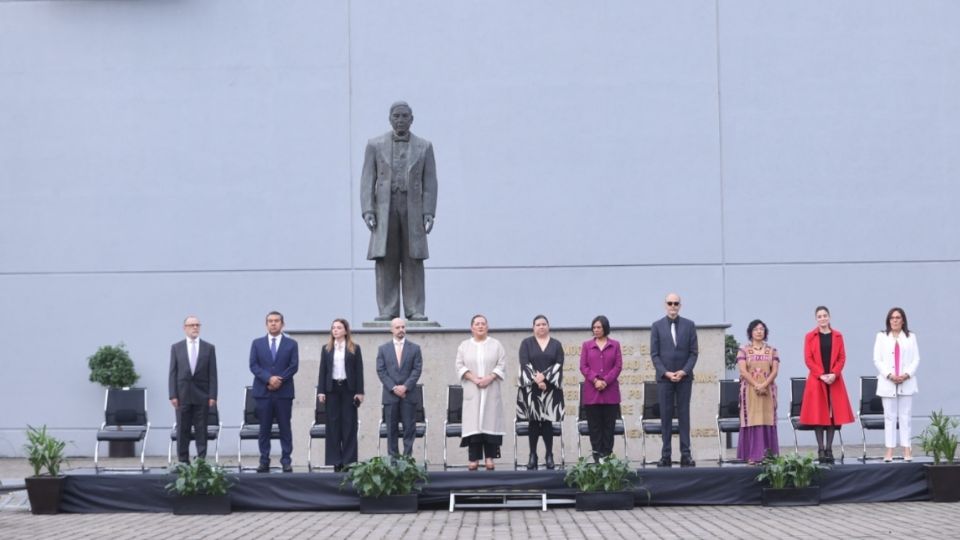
x=540, y=396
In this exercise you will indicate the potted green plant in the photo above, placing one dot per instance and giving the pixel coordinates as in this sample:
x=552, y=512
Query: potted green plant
x=386, y=485
x=44, y=452
x=790, y=480
x=939, y=438
x=605, y=485
x=112, y=367
x=200, y=488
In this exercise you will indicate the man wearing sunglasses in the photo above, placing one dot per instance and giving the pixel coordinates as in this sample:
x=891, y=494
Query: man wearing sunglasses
x=674, y=350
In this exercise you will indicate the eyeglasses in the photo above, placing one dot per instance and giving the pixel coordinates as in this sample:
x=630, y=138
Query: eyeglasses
x=193, y=325
x=673, y=304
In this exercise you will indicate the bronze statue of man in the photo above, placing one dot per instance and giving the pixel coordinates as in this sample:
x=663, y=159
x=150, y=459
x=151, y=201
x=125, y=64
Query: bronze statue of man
x=398, y=199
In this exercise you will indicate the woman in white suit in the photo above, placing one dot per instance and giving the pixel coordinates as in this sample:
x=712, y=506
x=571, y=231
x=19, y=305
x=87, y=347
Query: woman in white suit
x=896, y=357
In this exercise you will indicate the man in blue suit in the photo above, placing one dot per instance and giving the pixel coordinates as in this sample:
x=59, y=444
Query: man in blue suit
x=399, y=363
x=674, y=351
x=274, y=359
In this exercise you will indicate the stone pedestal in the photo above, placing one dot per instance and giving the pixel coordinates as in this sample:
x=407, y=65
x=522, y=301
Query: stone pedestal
x=439, y=347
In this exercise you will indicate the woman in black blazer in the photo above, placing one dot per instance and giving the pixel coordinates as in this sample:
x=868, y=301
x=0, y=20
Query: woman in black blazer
x=340, y=387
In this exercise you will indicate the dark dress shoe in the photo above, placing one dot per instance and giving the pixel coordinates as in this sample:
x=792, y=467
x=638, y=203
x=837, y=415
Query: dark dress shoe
x=532, y=463
x=288, y=468
x=338, y=468
x=827, y=456
x=263, y=468
x=548, y=461
x=687, y=461
x=665, y=462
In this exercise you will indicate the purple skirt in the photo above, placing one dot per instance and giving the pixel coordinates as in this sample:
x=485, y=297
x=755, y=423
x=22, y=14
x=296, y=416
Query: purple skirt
x=755, y=441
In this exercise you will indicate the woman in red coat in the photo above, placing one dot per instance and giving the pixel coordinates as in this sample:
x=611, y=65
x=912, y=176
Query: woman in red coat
x=825, y=403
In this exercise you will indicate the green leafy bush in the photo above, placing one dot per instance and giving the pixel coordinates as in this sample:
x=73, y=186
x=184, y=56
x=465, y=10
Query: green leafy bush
x=200, y=478
x=378, y=476
x=610, y=474
x=730, y=349
x=789, y=470
x=112, y=367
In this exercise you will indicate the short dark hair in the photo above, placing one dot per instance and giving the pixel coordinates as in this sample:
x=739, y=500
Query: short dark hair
x=544, y=317
x=604, y=323
x=478, y=316
x=277, y=313
x=753, y=324
x=906, y=331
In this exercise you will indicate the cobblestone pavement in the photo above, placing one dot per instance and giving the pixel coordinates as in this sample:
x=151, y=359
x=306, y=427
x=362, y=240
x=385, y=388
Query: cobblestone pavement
x=913, y=520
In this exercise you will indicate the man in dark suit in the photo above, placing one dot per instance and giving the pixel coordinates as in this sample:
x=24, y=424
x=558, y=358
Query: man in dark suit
x=192, y=387
x=274, y=359
x=674, y=350
x=399, y=363
x=398, y=200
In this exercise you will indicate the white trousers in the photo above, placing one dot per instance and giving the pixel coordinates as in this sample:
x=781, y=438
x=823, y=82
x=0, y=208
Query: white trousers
x=894, y=409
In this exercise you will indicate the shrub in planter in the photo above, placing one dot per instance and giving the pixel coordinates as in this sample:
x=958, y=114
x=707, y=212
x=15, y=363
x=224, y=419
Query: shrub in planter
x=939, y=438
x=200, y=488
x=386, y=485
x=44, y=452
x=112, y=367
x=607, y=485
x=790, y=478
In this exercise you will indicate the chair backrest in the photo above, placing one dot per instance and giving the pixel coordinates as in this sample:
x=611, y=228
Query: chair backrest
x=125, y=407
x=319, y=411
x=729, y=398
x=249, y=407
x=454, y=404
x=651, y=402
x=420, y=415
x=870, y=402
x=213, y=417
x=797, y=386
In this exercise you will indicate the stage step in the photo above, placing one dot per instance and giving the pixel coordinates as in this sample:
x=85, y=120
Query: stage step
x=504, y=499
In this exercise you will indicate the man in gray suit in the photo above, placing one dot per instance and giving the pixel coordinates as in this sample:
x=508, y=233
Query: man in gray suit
x=399, y=364
x=398, y=200
x=193, y=387
x=674, y=350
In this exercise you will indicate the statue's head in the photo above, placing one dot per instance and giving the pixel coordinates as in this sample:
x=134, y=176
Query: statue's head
x=401, y=117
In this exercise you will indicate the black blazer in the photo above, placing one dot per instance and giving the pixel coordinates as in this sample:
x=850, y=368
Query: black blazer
x=193, y=388
x=669, y=357
x=352, y=363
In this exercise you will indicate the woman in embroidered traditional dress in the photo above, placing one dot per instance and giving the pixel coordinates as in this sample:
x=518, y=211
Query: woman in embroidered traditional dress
x=759, y=364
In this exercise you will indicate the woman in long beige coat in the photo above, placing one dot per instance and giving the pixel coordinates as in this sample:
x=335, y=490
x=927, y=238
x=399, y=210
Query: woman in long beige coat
x=481, y=361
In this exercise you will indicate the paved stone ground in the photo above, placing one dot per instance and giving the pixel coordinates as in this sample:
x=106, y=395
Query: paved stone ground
x=911, y=520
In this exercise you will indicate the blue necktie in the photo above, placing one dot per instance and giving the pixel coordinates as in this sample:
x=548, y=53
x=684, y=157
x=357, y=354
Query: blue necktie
x=273, y=348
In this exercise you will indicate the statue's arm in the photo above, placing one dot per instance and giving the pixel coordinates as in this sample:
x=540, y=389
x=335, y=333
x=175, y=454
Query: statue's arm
x=368, y=186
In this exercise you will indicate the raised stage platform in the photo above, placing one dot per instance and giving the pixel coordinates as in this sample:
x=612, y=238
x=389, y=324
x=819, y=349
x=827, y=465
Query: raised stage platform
x=87, y=492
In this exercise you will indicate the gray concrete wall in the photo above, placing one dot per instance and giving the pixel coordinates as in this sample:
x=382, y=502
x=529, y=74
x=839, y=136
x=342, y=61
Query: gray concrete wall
x=165, y=158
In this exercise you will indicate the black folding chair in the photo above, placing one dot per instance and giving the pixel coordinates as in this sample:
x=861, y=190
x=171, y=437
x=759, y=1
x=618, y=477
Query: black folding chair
x=318, y=430
x=420, y=417
x=650, y=417
x=870, y=414
x=213, y=434
x=521, y=428
x=728, y=414
x=125, y=419
x=453, y=423
x=797, y=386
x=583, y=430
x=250, y=427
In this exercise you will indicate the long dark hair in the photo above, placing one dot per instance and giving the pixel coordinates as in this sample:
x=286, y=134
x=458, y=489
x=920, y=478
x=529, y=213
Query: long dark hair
x=903, y=315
